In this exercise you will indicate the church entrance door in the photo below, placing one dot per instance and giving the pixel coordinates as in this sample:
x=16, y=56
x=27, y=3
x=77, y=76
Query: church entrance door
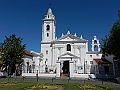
x=65, y=67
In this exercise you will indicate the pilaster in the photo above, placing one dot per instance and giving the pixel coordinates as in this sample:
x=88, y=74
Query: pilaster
x=71, y=68
x=58, y=69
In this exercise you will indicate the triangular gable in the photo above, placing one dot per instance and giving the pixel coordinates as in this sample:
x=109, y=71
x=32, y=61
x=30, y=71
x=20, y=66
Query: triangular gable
x=70, y=37
x=66, y=55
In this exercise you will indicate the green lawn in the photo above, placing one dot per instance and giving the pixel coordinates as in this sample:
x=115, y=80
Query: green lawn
x=67, y=86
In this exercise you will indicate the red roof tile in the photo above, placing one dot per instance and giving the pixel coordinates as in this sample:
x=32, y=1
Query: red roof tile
x=28, y=53
x=102, y=61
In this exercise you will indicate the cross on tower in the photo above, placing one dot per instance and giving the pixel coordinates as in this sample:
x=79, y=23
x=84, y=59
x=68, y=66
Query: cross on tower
x=49, y=5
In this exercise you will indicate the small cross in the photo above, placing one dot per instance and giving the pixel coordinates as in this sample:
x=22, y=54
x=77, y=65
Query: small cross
x=49, y=5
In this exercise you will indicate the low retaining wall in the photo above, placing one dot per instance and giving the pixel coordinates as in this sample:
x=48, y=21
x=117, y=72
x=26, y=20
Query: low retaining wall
x=39, y=74
x=72, y=76
x=83, y=76
x=54, y=75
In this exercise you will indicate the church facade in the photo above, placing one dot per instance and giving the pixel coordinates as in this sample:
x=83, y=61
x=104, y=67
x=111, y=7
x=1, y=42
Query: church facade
x=68, y=54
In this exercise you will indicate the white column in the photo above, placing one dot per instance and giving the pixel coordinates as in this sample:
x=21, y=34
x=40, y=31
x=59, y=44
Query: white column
x=42, y=32
x=58, y=50
x=71, y=68
x=98, y=47
x=58, y=69
x=53, y=55
x=79, y=61
x=61, y=64
x=74, y=49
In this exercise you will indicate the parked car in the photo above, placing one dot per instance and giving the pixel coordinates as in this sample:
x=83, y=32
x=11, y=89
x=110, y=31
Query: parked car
x=3, y=74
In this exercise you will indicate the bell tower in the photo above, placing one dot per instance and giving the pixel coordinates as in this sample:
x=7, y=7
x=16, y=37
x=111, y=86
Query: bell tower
x=95, y=44
x=48, y=26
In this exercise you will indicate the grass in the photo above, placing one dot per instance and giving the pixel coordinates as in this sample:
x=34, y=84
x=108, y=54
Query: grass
x=67, y=86
x=71, y=87
x=17, y=86
x=111, y=87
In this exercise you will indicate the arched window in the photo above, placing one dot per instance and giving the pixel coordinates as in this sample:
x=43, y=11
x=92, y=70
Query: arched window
x=68, y=47
x=95, y=41
x=47, y=34
x=48, y=27
x=95, y=48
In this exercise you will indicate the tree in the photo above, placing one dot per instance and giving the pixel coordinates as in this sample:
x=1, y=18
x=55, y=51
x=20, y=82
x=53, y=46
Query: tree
x=12, y=50
x=111, y=43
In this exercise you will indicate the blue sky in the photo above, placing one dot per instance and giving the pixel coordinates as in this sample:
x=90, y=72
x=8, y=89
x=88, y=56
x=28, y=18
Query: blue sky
x=84, y=17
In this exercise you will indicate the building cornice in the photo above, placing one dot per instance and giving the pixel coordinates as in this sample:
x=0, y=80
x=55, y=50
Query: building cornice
x=61, y=42
x=93, y=52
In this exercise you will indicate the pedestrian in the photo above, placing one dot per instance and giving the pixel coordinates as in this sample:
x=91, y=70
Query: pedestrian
x=37, y=73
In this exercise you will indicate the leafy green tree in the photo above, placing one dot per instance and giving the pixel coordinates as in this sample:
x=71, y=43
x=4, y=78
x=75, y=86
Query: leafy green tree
x=12, y=50
x=111, y=43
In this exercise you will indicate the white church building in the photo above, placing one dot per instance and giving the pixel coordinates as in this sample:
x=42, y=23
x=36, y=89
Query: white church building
x=67, y=55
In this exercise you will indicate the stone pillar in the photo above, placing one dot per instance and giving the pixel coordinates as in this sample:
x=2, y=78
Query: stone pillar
x=53, y=55
x=61, y=65
x=71, y=68
x=58, y=69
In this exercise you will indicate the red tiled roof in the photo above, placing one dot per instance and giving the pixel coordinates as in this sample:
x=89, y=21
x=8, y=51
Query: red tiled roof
x=28, y=53
x=102, y=61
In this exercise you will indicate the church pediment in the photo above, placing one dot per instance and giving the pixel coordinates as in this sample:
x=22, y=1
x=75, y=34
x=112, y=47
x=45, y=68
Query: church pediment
x=68, y=55
x=70, y=37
